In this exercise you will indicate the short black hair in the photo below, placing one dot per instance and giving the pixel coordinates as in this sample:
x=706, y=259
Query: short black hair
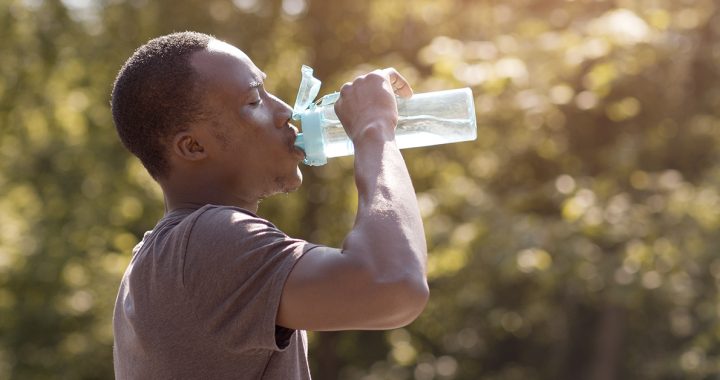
x=156, y=95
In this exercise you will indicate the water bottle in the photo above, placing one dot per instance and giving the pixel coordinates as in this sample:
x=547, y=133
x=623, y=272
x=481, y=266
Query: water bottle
x=431, y=118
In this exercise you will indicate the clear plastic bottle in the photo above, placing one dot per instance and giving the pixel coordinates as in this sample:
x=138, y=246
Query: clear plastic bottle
x=425, y=119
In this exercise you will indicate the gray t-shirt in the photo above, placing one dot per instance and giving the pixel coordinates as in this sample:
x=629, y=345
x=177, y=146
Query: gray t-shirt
x=200, y=297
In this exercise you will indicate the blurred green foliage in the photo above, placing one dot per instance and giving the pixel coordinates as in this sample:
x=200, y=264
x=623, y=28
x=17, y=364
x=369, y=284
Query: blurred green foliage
x=575, y=239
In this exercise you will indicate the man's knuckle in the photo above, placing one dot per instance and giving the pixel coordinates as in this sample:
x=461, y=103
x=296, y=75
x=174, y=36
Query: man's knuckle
x=344, y=89
x=376, y=75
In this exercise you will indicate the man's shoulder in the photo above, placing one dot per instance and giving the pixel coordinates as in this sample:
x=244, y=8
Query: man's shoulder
x=226, y=215
x=213, y=221
x=207, y=221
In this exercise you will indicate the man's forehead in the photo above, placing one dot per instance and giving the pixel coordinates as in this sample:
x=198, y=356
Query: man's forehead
x=222, y=47
x=224, y=52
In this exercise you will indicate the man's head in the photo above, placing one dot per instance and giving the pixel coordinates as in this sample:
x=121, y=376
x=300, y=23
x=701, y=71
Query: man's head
x=194, y=108
x=156, y=95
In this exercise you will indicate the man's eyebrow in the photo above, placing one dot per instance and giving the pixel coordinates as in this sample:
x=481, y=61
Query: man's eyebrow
x=258, y=82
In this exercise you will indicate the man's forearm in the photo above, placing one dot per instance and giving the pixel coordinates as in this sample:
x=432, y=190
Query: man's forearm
x=388, y=228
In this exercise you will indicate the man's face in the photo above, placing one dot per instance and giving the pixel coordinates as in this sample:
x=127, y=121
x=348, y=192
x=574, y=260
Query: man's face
x=248, y=135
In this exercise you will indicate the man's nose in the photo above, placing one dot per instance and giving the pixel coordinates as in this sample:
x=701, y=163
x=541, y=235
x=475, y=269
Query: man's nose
x=284, y=111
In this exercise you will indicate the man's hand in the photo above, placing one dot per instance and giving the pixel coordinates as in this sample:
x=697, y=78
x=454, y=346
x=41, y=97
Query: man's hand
x=368, y=104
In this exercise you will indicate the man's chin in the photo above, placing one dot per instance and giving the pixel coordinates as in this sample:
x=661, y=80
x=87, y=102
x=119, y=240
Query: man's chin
x=292, y=184
x=299, y=180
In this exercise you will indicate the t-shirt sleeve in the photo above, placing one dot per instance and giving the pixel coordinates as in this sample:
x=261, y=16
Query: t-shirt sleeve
x=235, y=267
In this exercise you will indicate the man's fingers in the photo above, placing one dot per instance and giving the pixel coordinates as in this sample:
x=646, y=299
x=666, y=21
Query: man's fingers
x=399, y=84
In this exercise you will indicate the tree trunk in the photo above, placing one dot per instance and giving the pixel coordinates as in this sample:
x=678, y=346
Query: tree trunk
x=608, y=344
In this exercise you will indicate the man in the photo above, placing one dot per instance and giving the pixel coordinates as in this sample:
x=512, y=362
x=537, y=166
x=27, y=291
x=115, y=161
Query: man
x=216, y=292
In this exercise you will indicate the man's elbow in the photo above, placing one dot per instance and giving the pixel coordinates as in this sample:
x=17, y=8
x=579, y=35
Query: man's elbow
x=412, y=295
x=418, y=298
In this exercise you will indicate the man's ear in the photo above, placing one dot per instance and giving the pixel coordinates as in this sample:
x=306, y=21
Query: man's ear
x=187, y=146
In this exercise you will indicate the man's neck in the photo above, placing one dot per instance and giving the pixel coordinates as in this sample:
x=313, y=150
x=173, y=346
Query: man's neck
x=195, y=194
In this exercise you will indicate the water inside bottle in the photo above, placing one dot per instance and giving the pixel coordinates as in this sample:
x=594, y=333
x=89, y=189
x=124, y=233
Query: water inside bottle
x=412, y=131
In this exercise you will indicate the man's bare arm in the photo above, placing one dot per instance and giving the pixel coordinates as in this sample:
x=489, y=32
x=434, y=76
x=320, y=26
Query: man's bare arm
x=377, y=280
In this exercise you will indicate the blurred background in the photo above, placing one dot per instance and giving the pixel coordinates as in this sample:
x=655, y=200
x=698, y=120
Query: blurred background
x=577, y=238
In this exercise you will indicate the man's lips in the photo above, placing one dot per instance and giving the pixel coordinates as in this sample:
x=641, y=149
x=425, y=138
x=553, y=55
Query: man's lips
x=293, y=148
x=296, y=150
